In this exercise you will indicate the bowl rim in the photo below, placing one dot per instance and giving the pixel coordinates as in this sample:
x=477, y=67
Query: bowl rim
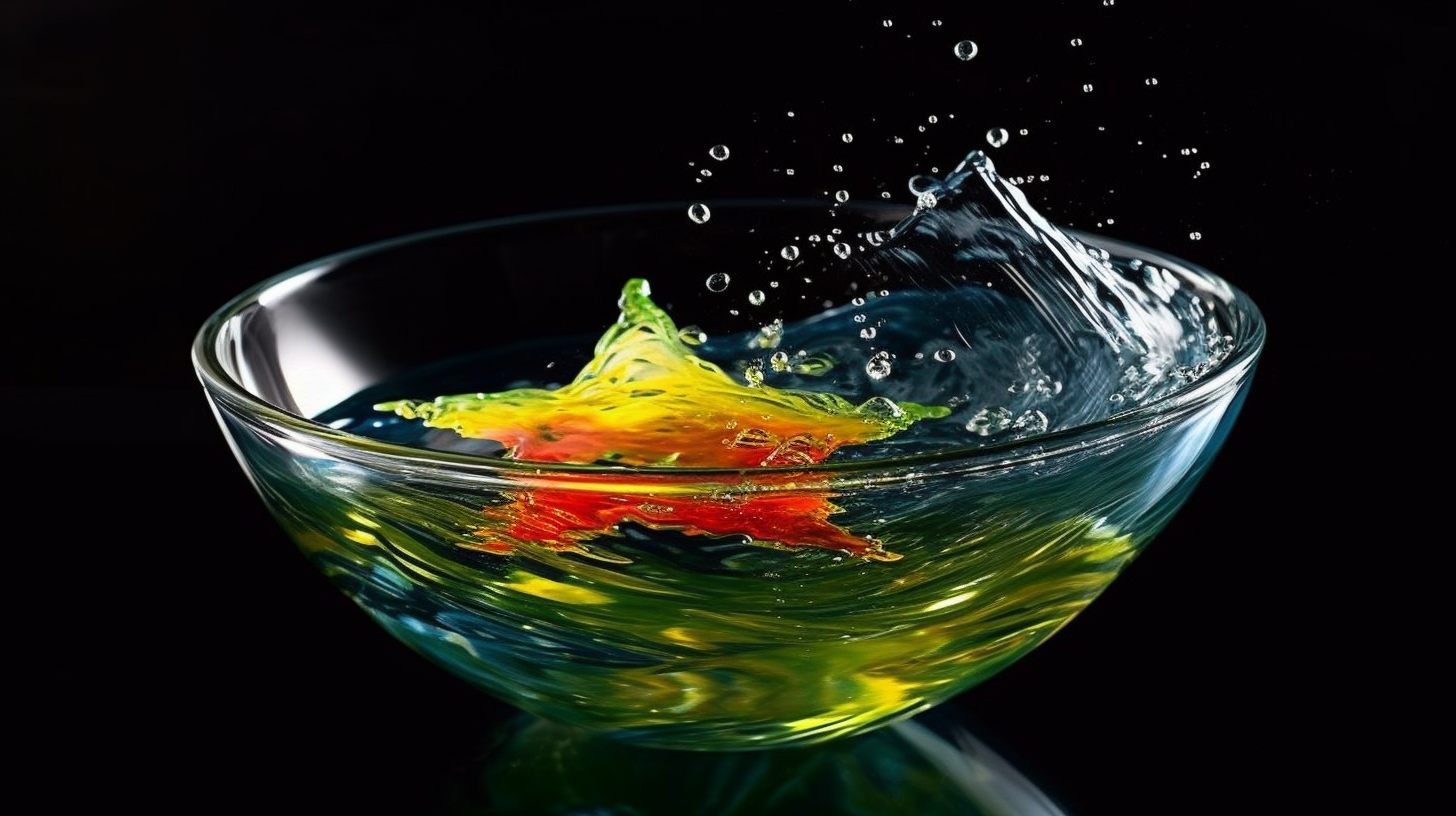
x=1112, y=430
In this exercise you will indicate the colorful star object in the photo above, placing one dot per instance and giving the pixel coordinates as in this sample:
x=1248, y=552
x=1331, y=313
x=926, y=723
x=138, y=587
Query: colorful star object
x=646, y=401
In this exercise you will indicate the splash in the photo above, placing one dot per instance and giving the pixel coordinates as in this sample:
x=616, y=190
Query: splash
x=646, y=400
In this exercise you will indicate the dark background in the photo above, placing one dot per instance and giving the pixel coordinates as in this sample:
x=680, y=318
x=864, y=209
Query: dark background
x=155, y=158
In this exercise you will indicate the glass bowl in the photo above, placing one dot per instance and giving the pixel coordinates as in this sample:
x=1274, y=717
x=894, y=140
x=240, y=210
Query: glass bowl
x=927, y=569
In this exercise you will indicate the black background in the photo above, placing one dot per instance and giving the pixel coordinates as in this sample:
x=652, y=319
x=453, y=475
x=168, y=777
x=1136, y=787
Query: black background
x=1266, y=652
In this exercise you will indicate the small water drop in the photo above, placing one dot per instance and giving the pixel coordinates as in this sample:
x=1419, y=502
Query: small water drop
x=1150, y=81
x=848, y=137
x=692, y=335
x=1203, y=165
x=842, y=250
x=997, y=136
x=859, y=318
x=1195, y=236
x=753, y=375
x=858, y=301
x=700, y=213
x=966, y=49
x=789, y=252
x=988, y=421
x=841, y=196
x=1087, y=88
x=779, y=362
x=1076, y=41
x=1023, y=131
x=932, y=119
x=868, y=333
x=838, y=168
x=889, y=23
x=757, y=297
x=718, y=281
x=935, y=23
x=705, y=172
x=719, y=152
x=878, y=366
x=944, y=355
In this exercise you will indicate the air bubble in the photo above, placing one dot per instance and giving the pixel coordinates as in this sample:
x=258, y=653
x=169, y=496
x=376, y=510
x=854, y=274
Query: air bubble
x=718, y=281
x=719, y=152
x=700, y=213
x=966, y=49
x=997, y=136
x=789, y=252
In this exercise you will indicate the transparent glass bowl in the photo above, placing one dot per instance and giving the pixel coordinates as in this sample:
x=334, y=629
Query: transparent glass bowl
x=676, y=640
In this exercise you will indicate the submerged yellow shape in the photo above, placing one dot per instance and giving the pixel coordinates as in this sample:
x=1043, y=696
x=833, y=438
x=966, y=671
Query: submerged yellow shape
x=646, y=399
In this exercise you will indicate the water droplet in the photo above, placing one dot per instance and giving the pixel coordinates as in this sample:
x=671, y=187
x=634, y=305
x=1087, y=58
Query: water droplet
x=932, y=119
x=842, y=250
x=1076, y=41
x=779, y=361
x=756, y=297
x=719, y=152
x=692, y=335
x=1087, y=88
x=699, y=213
x=789, y=252
x=878, y=366
x=988, y=421
x=705, y=172
x=858, y=301
x=841, y=196
x=965, y=49
x=997, y=136
x=935, y=23
x=773, y=284
x=848, y=137
x=1195, y=236
x=868, y=333
x=1031, y=422
x=753, y=375
x=875, y=238
x=859, y=318
x=889, y=23
x=838, y=168
x=718, y=281
x=1023, y=131
x=1150, y=81
x=1203, y=165
x=944, y=355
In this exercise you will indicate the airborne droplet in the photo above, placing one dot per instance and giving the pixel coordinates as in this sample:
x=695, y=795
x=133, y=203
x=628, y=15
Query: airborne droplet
x=842, y=250
x=944, y=355
x=965, y=49
x=692, y=335
x=719, y=152
x=756, y=297
x=997, y=136
x=700, y=213
x=718, y=281
x=841, y=196
x=878, y=366
x=789, y=252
